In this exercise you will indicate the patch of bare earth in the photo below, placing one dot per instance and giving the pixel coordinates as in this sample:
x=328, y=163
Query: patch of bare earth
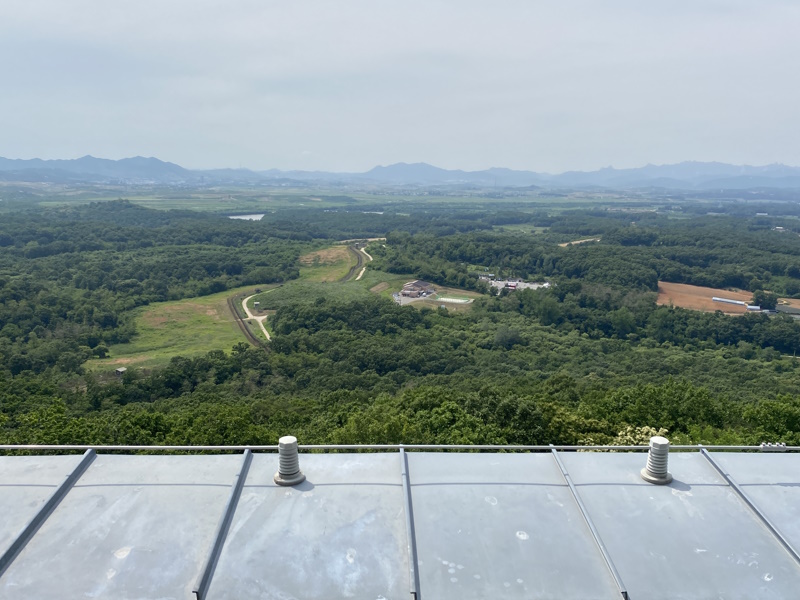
x=328, y=256
x=383, y=239
x=565, y=244
x=379, y=288
x=696, y=297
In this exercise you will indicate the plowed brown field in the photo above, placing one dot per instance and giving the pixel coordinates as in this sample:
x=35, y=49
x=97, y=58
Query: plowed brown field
x=699, y=298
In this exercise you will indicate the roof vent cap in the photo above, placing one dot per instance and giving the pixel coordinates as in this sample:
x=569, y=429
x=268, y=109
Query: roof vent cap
x=289, y=472
x=657, y=458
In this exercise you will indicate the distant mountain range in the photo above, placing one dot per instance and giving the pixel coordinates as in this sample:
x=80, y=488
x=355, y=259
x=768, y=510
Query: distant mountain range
x=140, y=171
x=91, y=169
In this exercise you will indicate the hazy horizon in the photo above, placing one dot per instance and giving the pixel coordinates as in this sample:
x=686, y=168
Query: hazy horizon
x=413, y=163
x=344, y=87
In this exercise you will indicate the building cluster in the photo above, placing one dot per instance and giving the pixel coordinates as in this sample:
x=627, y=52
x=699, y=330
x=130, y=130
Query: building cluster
x=512, y=283
x=417, y=289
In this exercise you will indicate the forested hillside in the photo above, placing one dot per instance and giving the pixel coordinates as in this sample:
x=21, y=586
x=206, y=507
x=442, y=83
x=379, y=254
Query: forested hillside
x=582, y=361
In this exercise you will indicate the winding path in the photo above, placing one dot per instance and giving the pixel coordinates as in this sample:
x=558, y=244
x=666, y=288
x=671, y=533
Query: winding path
x=364, y=252
x=360, y=253
x=252, y=317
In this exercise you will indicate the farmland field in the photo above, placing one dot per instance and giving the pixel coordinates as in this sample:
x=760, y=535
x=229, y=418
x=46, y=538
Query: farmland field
x=700, y=298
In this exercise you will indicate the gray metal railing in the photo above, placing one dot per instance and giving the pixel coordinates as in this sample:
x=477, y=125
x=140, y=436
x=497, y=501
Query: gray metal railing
x=386, y=447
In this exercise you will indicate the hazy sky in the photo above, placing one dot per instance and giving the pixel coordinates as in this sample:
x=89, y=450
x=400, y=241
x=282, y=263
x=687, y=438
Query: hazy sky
x=344, y=85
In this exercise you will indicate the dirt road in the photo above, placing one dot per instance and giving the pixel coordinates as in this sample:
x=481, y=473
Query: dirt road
x=252, y=317
x=355, y=269
x=565, y=244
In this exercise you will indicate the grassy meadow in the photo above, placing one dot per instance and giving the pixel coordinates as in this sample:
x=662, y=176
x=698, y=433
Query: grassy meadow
x=195, y=326
x=188, y=327
x=326, y=265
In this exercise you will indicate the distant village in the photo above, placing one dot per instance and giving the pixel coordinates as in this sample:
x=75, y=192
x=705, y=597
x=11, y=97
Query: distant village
x=511, y=284
x=419, y=289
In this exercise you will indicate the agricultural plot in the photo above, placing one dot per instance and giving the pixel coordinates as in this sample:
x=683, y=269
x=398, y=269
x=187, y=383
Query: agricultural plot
x=700, y=298
x=791, y=302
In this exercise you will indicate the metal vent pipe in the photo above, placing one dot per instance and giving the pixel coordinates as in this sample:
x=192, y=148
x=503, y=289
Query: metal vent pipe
x=289, y=472
x=657, y=462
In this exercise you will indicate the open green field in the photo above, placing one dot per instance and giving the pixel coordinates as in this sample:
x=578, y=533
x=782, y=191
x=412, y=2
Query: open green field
x=320, y=273
x=309, y=288
x=195, y=326
x=305, y=291
x=231, y=200
x=189, y=327
x=327, y=265
x=448, y=292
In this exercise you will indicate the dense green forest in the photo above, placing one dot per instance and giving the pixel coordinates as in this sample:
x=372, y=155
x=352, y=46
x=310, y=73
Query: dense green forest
x=580, y=362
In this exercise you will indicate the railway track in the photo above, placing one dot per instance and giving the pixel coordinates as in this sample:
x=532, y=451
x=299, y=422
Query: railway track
x=355, y=269
x=242, y=325
x=241, y=321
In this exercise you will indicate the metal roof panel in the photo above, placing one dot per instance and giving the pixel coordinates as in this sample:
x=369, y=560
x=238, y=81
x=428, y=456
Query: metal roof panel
x=772, y=481
x=692, y=539
x=132, y=527
x=27, y=482
x=502, y=526
x=339, y=534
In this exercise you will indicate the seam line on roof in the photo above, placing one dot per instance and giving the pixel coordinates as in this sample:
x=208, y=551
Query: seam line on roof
x=773, y=529
x=45, y=511
x=592, y=529
x=413, y=567
x=204, y=581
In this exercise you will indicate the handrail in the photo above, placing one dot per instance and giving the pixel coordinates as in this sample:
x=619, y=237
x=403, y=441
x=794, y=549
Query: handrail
x=387, y=447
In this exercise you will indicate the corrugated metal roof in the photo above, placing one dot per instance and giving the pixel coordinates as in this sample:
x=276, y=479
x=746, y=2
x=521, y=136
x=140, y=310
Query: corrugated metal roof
x=467, y=525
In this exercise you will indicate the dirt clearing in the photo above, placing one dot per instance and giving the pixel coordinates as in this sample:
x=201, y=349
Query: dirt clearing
x=379, y=288
x=793, y=302
x=700, y=298
x=328, y=256
x=565, y=244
